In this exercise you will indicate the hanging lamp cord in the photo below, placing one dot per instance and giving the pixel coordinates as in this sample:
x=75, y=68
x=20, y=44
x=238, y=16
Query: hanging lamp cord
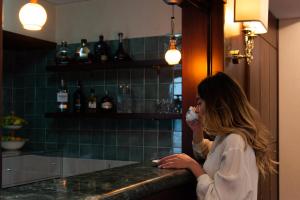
x=172, y=23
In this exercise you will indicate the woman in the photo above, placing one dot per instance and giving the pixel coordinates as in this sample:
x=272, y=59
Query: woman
x=241, y=149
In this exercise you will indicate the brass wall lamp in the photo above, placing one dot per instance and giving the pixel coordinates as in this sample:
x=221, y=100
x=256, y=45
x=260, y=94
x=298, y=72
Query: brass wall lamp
x=254, y=16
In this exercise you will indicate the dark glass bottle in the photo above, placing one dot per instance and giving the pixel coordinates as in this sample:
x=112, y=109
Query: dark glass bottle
x=107, y=103
x=101, y=50
x=83, y=54
x=78, y=99
x=63, y=54
x=120, y=54
x=62, y=98
x=92, y=101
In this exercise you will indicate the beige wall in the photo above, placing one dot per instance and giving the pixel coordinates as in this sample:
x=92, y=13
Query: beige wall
x=135, y=18
x=289, y=109
x=11, y=19
x=88, y=19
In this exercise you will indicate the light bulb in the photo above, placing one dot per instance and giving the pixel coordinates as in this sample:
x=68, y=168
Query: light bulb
x=33, y=16
x=173, y=56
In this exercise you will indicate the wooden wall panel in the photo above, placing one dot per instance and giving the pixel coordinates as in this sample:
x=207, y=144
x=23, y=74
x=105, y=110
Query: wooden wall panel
x=272, y=34
x=264, y=67
x=254, y=77
x=274, y=179
x=274, y=93
x=260, y=80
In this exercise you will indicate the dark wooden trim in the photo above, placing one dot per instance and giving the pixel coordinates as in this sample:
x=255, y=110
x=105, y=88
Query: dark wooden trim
x=109, y=65
x=201, y=5
x=153, y=116
x=15, y=41
x=186, y=191
x=1, y=85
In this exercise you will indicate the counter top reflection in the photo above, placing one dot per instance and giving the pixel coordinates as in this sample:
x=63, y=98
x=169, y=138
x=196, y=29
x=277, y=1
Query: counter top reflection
x=137, y=181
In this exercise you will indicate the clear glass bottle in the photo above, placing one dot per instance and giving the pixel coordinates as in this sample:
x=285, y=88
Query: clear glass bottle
x=83, y=52
x=92, y=101
x=101, y=50
x=107, y=103
x=178, y=104
x=78, y=99
x=63, y=54
x=62, y=98
x=124, y=101
x=120, y=54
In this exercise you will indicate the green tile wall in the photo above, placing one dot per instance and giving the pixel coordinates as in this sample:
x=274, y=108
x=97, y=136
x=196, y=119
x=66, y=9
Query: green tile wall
x=34, y=93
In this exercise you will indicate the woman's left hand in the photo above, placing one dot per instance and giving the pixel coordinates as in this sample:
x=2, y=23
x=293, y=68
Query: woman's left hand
x=180, y=161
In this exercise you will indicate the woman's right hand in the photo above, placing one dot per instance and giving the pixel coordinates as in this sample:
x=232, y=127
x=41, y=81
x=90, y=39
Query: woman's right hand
x=197, y=125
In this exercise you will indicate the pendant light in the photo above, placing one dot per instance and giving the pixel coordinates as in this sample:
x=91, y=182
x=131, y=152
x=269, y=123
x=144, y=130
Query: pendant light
x=173, y=55
x=33, y=16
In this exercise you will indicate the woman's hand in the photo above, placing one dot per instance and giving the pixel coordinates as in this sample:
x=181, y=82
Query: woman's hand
x=180, y=161
x=197, y=125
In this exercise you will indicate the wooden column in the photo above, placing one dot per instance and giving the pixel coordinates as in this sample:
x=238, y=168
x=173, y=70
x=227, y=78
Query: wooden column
x=202, y=51
x=194, y=62
x=1, y=84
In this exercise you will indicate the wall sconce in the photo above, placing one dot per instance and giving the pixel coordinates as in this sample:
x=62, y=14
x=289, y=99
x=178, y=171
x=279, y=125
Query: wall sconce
x=173, y=55
x=33, y=16
x=254, y=16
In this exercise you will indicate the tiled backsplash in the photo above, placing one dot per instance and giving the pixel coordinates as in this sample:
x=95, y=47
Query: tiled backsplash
x=34, y=93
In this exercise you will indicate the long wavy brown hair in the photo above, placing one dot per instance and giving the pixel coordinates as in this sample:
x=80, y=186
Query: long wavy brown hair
x=227, y=111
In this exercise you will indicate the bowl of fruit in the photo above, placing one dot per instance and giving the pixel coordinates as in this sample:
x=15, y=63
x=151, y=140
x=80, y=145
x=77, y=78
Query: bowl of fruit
x=12, y=122
x=12, y=142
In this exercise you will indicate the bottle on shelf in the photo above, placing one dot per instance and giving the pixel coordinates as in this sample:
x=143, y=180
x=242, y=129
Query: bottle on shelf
x=178, y=104
x=121, y=54
x=92, y=102
x=107, y=103
x=63, y=54
x=62, y=98
x=101, y=50
x=78, y=99
x=124, y=100
x=83, y=54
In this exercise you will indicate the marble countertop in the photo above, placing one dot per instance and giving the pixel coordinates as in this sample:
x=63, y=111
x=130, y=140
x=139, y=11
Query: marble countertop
x=128, y=182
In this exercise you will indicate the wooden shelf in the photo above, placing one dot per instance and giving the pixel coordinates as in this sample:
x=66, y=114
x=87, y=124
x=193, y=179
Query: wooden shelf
x=154, y=116
x=18, y=42
x=108, y=65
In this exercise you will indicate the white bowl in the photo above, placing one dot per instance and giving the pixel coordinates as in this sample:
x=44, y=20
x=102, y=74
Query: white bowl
x=12, y=145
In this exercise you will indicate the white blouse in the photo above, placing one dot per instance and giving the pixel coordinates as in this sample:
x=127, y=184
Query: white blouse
x=231, y=172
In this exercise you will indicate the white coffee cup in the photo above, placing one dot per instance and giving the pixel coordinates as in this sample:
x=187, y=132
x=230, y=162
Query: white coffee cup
x=191, y=114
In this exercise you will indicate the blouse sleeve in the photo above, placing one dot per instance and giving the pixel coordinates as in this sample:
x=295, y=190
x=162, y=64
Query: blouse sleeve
x=201, y=149
x=229, y=182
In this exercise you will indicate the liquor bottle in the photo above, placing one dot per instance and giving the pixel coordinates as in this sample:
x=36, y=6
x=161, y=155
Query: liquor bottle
x=79, y=99
x=92, y=101
x=107, y=103
x=101, y=50
x=63, y=54
x=82, y=54
x=62, y=98
x=120, y=54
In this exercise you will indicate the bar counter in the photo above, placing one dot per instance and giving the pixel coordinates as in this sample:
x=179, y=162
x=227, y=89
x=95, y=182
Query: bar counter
x=137, y=181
